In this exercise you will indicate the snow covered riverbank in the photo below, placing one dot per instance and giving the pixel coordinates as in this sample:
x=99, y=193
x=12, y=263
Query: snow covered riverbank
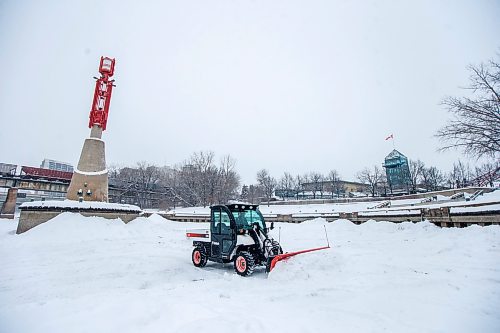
x=78, y=274
x=487, y=202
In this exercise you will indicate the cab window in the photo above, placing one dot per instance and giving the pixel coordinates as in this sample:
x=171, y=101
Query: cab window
x=215, y=225
x=246, y=219
x=225, y=223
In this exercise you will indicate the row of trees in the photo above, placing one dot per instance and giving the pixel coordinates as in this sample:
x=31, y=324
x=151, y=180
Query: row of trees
x=198, y=181
x=293, y=185
x=194, y=182
x=421, y=178
x=431, y=178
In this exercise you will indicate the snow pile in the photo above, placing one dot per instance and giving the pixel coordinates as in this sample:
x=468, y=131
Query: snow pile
x=75, y=205
x=80, y=274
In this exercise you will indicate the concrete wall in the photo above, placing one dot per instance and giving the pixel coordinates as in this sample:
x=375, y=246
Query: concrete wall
x=31, y=218
x=439, y=216
x=9, y=206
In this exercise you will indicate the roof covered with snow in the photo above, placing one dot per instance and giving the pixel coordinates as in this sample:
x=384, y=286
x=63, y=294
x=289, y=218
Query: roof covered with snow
x=394, y=154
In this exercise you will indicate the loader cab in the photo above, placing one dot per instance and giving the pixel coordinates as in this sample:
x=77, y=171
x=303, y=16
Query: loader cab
x=247, y=216
x=222, y=227
x=227, y=222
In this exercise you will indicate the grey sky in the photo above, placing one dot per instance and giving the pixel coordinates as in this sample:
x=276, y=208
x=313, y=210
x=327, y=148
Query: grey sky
x=285, y=85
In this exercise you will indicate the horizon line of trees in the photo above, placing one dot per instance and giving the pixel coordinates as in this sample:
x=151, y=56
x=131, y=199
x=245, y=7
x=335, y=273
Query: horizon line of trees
x=197, y=181
x=200, y=181
x=317, y=185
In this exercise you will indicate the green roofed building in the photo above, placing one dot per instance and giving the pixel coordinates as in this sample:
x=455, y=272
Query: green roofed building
x=398, y=172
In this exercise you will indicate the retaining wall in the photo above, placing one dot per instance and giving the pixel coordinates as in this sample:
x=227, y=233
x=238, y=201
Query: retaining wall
x=33, y=217
x=439, y=216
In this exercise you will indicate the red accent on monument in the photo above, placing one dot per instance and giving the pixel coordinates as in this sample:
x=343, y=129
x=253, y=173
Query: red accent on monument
x=102, y=94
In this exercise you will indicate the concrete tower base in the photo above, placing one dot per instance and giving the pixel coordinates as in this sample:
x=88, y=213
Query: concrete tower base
x=90, y=178
x=9, y=206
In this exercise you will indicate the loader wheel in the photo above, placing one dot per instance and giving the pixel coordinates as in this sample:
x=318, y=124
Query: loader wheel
x=244, y=263
x=199, y=257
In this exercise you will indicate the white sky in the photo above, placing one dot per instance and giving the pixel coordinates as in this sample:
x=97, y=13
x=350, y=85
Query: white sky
x=285, y=85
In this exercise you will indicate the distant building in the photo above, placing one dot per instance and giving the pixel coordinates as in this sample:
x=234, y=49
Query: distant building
x=56, y=165
x=325, y=189
x=6, y=168
x=398, y=172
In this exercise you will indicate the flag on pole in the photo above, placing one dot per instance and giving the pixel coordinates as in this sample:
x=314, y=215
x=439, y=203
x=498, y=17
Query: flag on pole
x=389, y=137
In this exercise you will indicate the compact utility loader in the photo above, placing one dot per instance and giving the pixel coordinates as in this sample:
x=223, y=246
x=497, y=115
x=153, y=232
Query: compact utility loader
x=238, y=234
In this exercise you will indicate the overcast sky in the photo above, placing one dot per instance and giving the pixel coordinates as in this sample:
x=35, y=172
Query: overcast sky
x=291, y=86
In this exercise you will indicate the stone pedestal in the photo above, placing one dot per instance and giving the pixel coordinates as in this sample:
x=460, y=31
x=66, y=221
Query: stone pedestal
x=90, y=178
x=32, y=217
x=9, y=206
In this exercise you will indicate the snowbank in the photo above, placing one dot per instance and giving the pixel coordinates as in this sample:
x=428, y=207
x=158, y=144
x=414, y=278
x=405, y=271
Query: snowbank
x=71, y=204
x=81, y=274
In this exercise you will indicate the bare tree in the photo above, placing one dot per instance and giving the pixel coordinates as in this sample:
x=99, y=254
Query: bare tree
x=171, y=178
x=487, y=173
x=205, y=175
x=433, y=179
x=267, y=182
x=188, y=186
x=254, y=193
x=371, y=177
x=475, y=123
x=196, y=181
x=229, y=180
x=138, y=182
x=113, y=170
x=201, y=182
x=336, y=184
x=383, y=183
x=299, y=181
x=287, y=185
x=316, y=183
x=149, y=174
x=416, y=169
x=461, y=175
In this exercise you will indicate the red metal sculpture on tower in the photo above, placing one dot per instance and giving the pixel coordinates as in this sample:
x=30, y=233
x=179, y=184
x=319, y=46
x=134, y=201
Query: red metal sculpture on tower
x=102, y=94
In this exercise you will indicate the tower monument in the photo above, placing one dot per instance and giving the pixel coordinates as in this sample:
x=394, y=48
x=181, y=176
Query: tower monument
x=90, y=178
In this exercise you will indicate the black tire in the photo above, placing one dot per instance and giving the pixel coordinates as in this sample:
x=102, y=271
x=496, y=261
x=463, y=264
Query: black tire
x=199, y=257
x=244, y=263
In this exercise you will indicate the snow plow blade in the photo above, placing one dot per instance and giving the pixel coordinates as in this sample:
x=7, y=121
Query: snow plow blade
x=287, y=255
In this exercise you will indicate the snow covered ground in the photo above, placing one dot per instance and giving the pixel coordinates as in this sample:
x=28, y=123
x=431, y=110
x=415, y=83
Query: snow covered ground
x=78, y=274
